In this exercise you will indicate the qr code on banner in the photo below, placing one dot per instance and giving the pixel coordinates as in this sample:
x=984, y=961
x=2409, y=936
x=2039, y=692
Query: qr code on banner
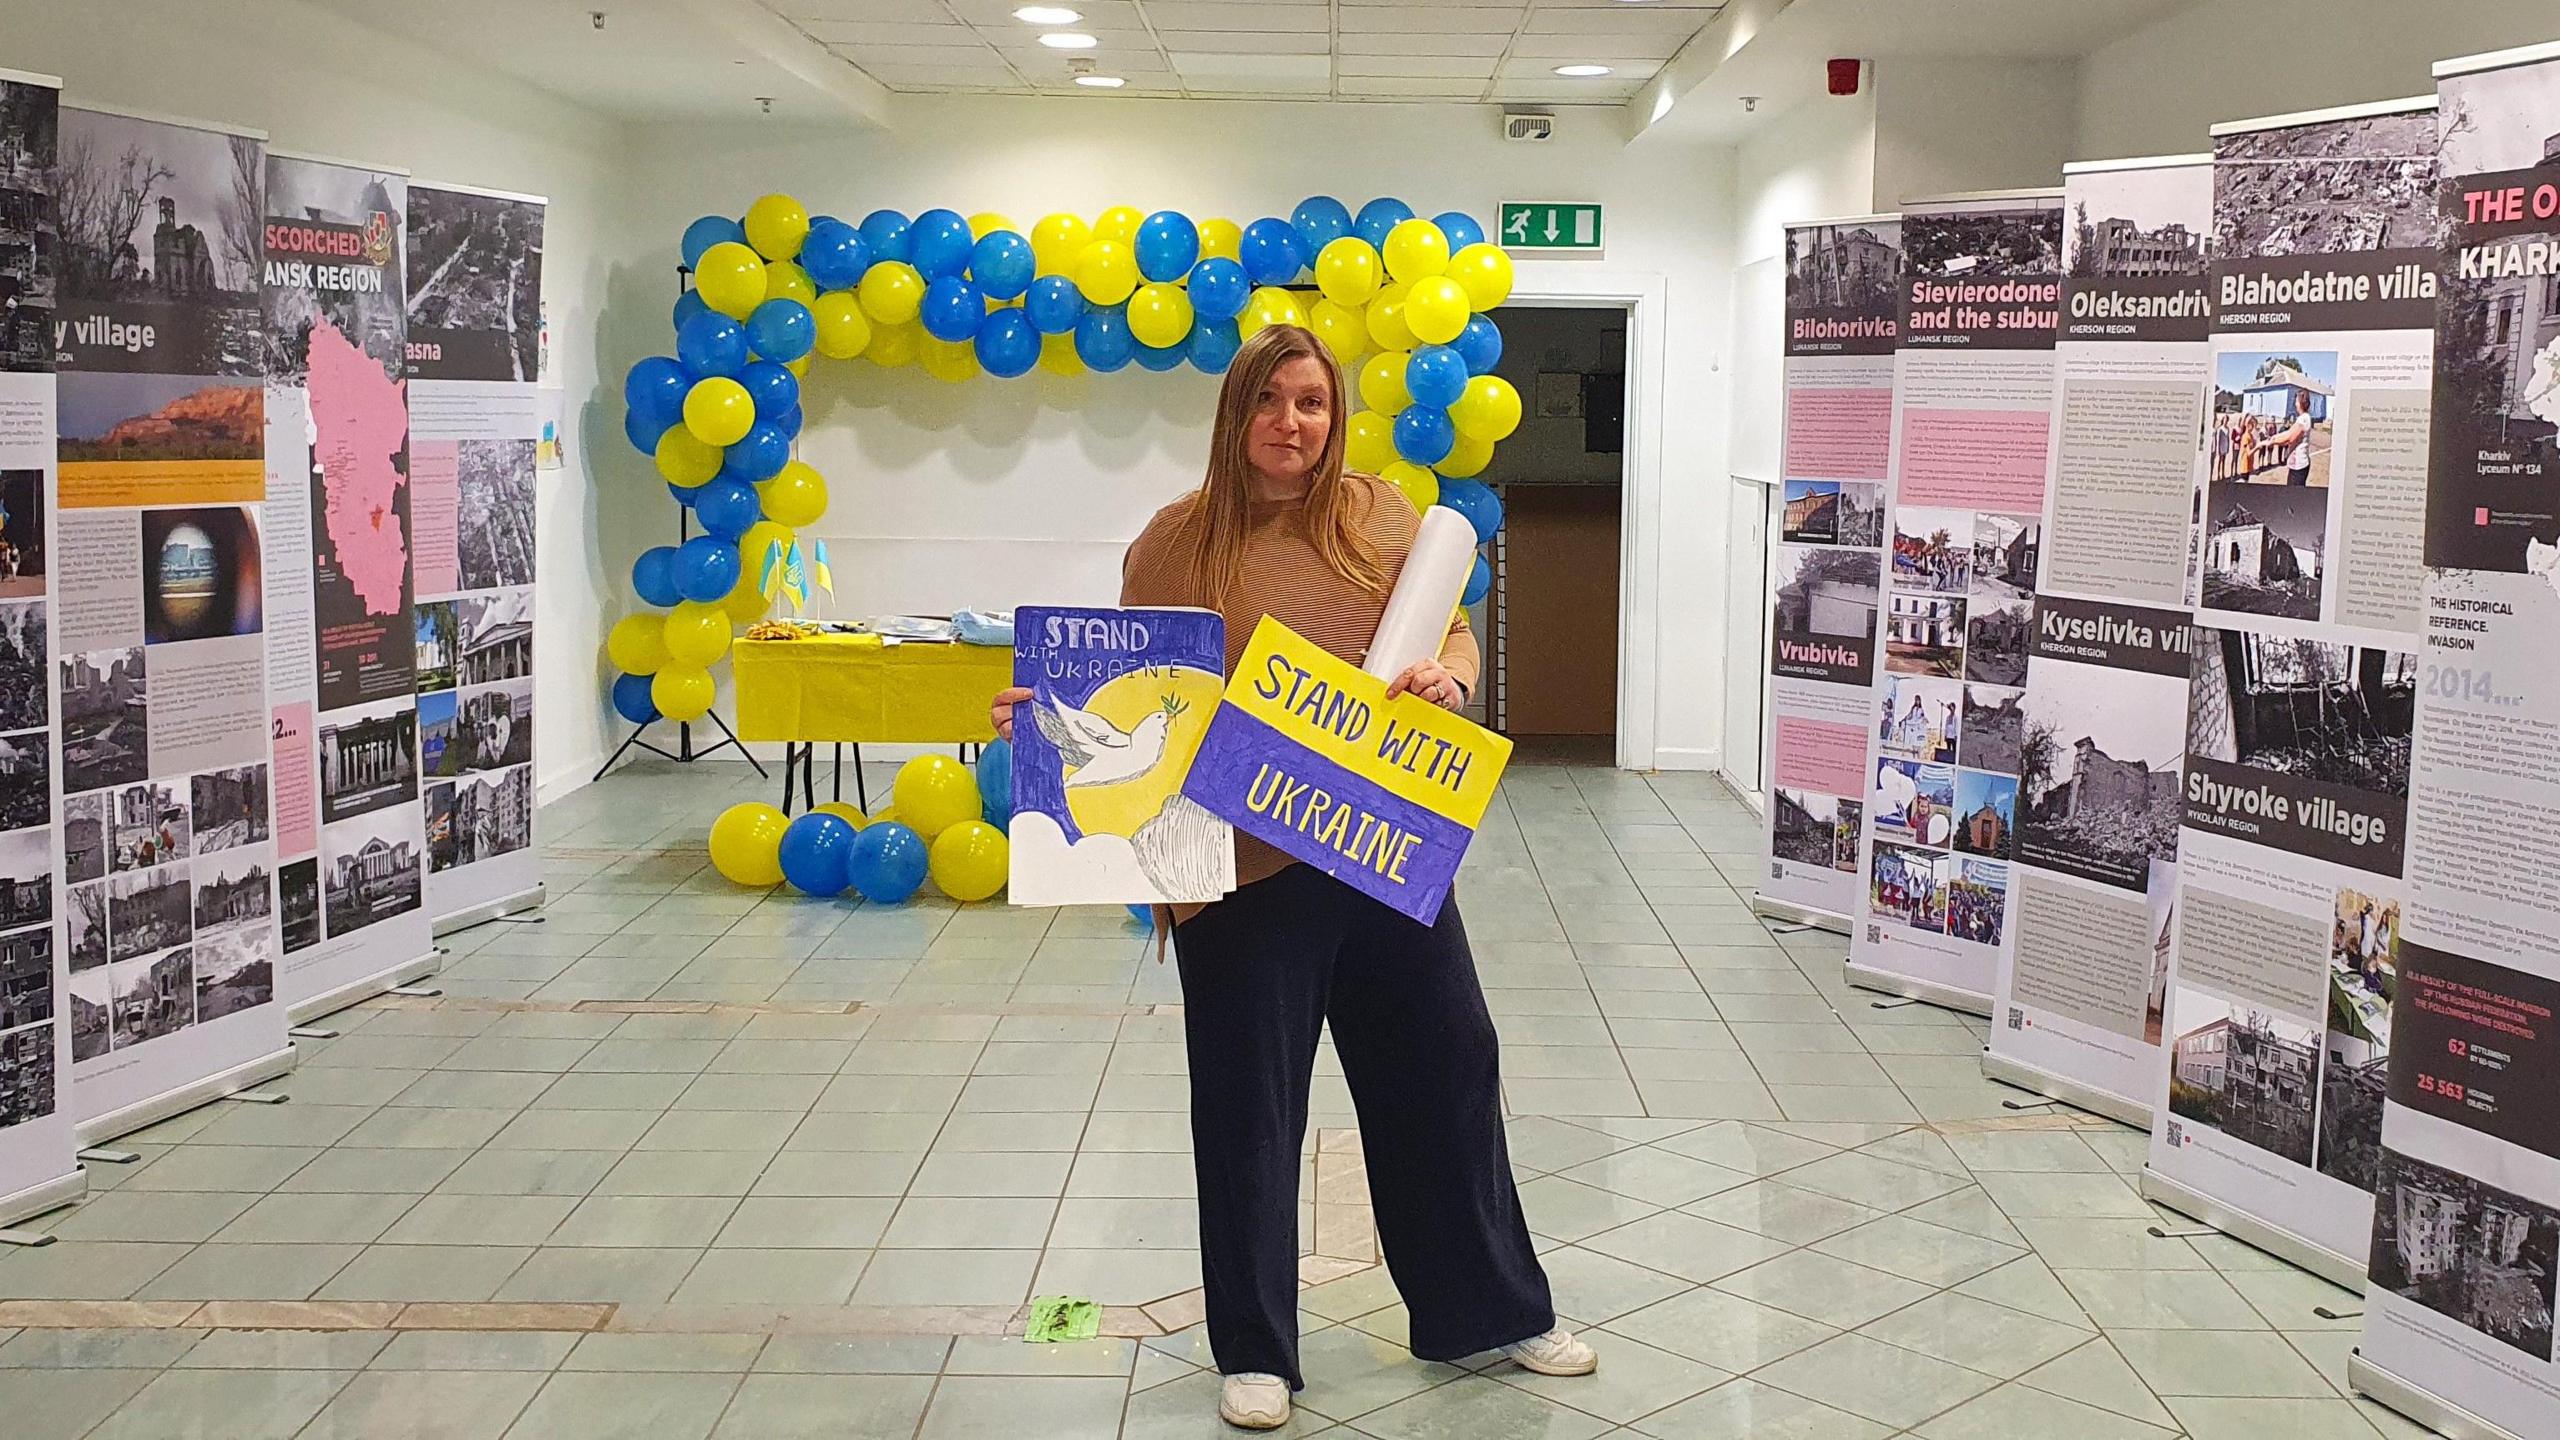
x=1875, y=934
x=2177, y=1134
x=1777, y=870
x=2017, y=1018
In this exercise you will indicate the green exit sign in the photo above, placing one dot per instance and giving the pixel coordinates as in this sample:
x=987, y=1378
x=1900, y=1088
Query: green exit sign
x=1550, y=225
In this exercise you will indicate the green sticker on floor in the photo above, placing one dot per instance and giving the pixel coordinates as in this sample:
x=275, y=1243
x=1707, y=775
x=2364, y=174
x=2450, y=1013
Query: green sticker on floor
x=1062, y=1317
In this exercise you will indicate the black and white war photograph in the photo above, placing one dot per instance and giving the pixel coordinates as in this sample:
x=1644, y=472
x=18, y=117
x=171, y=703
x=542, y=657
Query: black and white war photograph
x=106, y=724
x=322, y=211
x=2099, y=760
x=368, y=758
x=1993, y=722
x=2325, y=187
x=26, y=878
x=371, y=868
x=88, y=997
x=26, y=779
x=1843, y=267
x=23, y=700
x=298, y=903
x=84, y=915
x=22, y=542
x=495, y=485
x=1803, y=827
x=84, y=837
x=163, y=220
x=2470, y=1251
x=148, y=910
x=497, y=636
x=492, y=729
x=26, y=977
x=1833, y=512
x=234, y=888
x=1979, y=244
x=2250, y=1073
x=1825, y=591
x=2353, y=1078
x=479, y=817
x=230, y=807
x=475, y=285
x=27, y=1077
x=2263, y=549
x=29, y=231
x=154, y=996
x=2148, y=223
x=148, y=826
x=235, y=969
x=2340, y=714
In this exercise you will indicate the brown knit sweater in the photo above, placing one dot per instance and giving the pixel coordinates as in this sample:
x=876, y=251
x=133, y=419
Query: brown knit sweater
x=1285, y=578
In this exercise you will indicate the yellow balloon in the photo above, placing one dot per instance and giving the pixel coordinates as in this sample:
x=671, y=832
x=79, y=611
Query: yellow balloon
x=746, y=602
x=637, y=644
x=895, y=345
x=1382, y=383
x=986, y=223
x=682, y=692
x=891, y=292
x=1347, y=270
x=1221, y=240
x=1416, y=250
x=719, y=411
x=784, y=280
x=796, y=497
x=731, y=278
x=697, y=634
x=1369, y=444
x=969, y=860
x=1343, y=329
x=1387, y=329
x=1416, y=481
x=1160, y=314
x=950, y=361
x=1058, y=355
x=934, y=793
x=776, y=225
x=1120, y=223
x=1056, y=242
x=686, y=459
x=1485, y=271
x=1266, y=307
x=1436, y=309
x=842, y=327
x=1107, y=272
x=746, y=843
x=799, y=368
x=1466, y=459
x=1489, y=410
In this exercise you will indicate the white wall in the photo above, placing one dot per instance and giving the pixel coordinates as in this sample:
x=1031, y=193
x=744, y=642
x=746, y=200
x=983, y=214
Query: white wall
x=1945, y=126
x=997, y=493
x=318, y=82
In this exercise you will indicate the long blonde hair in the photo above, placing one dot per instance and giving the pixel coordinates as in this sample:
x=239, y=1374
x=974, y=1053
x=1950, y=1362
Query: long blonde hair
x=1220, y=515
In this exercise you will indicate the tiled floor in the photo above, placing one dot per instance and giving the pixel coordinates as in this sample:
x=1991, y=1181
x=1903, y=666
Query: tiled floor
x=680, y=1161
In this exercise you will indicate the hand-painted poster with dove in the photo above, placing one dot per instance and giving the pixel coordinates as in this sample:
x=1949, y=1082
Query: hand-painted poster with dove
x=1119, y=702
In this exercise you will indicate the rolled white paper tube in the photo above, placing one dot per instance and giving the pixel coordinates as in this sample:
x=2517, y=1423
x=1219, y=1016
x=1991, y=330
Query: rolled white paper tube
x=1435, y=575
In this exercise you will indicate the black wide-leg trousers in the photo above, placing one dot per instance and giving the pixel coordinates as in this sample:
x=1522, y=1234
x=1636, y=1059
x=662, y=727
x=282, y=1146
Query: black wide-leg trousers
x=1262, y=972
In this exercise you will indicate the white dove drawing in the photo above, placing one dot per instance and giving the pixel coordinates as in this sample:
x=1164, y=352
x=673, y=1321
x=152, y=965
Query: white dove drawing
x=1099, y=752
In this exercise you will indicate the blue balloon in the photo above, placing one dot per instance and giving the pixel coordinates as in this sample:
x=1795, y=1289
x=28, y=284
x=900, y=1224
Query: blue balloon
x=684, y=493
x=995, y=778
x=711, y=344
x=1423, y=434
x=1378, y=217
x=1458, y=225
x=1475, y=501
x=1480, y=345
x=631, y=699
x=953, y=308
x=706, y=232
x=1435, y=376
x=782, y=330
x=1002, y=264
x=643, y=432
x=773, y=387
x=1167, y=245
x=1213, y=345
x=1160, y=360
x=1320, y=220
x=885, y=231
x=1103, y=341
x=656, y=388
x=653, y=576
x=706, y=567
x=1479, y=582
x=1007, y=345
x=688, y=305
x=1145, y=915
x=789, y=422
x=941, y=242
x=834, y=254
x=815, y=846
x=887, y=864
x=1219, y=289
x=758, y=456
x=1054, y=306
x=1272, y=252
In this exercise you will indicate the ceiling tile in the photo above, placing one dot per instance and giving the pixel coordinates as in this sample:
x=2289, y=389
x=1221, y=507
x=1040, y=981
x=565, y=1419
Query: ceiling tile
x=1444, y=67
x=1368, y=44
x=1211, y=69
x=1242, y=42
x=1209, y=15
x=1602, y=48
x=1023, y=37
x=1705, y=9
x=1621, y=68
x=868, y=55
x=1110, y=14
x=1434, y=19
x=1619, y=20
x=1556, y=91
x=805, y=12
x=1406, y=87
x=955, y=76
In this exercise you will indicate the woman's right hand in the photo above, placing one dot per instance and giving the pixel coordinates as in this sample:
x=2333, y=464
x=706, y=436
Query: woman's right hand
x=1000, y=713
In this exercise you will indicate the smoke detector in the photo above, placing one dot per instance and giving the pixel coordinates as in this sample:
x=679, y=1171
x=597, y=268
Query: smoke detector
x=1524, y=126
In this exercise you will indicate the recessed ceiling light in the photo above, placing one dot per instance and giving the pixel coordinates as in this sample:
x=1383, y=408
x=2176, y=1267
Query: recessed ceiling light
x=1101, y=82
x=1582, y=72
x=1046, y=15
x=1068, y=40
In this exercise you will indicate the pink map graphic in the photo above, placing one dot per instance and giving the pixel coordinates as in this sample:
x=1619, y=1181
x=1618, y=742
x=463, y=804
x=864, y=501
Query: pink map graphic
x=361, y=418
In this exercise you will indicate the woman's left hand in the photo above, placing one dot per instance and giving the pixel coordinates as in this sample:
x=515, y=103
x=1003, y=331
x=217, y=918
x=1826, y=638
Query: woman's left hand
x=1427, y=679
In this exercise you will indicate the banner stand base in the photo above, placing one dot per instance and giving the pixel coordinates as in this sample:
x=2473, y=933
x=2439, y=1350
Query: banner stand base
x=183, y=1099
x=1799, y=914
x=381, y=981
x=497, y=909
x=2436, y=1413
x=2283, y=1244
x=47, y=1195
x=2070, y=1092
x=1927, y=992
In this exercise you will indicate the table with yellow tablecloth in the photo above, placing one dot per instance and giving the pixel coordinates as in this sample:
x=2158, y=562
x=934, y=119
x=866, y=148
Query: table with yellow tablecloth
x=858, y=690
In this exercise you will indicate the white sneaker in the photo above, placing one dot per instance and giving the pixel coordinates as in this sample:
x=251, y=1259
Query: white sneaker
x=1257, y=1402
x=1554, y=1353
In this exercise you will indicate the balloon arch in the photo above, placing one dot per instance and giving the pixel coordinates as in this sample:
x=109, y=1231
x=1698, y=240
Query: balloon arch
x=1399, y=300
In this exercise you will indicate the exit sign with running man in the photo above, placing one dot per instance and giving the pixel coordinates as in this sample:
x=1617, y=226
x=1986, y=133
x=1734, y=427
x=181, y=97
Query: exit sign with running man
x=1550, y=225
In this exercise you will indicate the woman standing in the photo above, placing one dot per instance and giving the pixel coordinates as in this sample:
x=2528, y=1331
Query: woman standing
x=1279, y=528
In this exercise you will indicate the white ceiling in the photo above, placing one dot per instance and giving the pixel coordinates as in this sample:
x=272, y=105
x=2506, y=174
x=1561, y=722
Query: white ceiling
x=1465, y=50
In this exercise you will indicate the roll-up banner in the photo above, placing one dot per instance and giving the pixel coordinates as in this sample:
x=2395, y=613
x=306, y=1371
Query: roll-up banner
x=474, y=328
x=2092, y=826
x=161, y=628
x=350, y=825
x=2466, y=1225
x=1964, y=522
x=2290, y=898
x=37, y=1172
x=1843, y=305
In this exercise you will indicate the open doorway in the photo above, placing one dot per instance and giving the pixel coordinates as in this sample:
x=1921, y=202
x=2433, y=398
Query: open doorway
x=1551, y=620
